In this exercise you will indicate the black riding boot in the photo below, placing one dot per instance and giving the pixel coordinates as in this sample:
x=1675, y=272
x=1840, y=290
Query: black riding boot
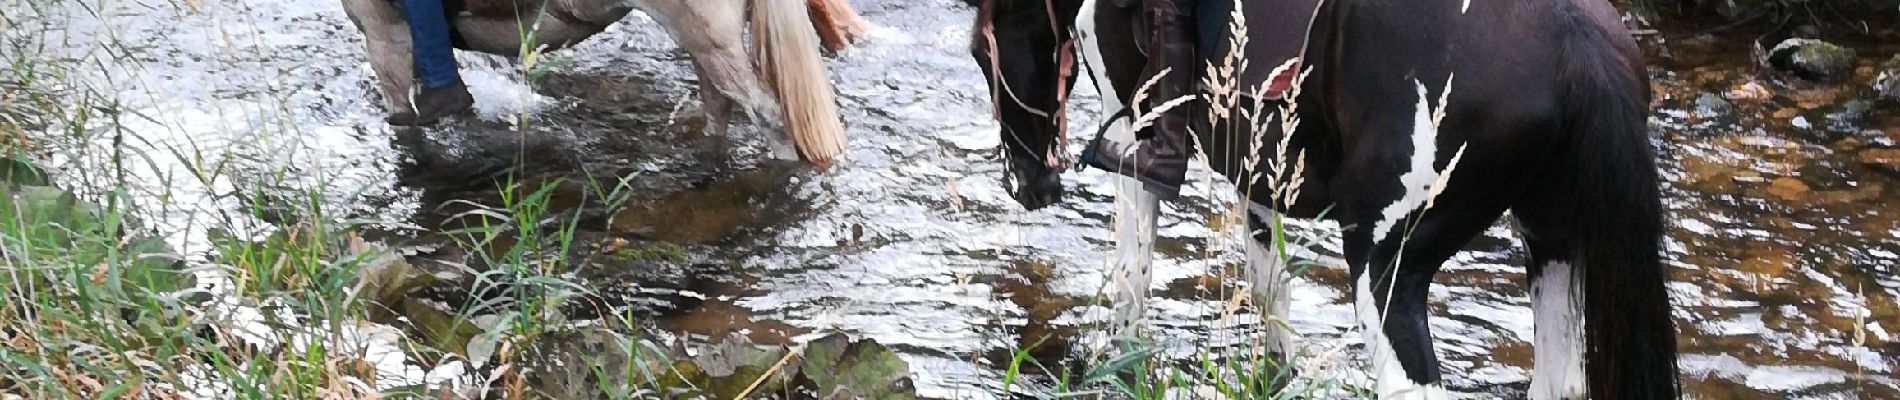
x=1159, y=162
x=433, y=104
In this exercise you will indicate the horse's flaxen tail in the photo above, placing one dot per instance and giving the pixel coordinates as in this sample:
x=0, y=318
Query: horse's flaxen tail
x=1629, y=334
x=792, y=66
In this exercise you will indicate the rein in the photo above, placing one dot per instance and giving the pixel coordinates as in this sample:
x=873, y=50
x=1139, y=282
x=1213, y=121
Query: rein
x=1065, y=64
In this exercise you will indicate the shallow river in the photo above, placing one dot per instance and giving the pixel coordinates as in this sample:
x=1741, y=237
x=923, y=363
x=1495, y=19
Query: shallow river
x=1784, y=246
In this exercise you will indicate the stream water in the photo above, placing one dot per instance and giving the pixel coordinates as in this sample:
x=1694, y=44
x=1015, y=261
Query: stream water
x=1784, y=245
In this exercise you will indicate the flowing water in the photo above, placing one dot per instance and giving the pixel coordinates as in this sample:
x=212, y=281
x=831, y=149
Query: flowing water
x=1784, y=244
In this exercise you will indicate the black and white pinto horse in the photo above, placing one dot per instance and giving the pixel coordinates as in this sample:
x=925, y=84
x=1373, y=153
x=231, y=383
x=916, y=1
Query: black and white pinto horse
x=786, y=83
x=1548, y=108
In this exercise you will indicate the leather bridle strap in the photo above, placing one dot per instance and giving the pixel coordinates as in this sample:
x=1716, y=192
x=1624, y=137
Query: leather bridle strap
x=1065, y=64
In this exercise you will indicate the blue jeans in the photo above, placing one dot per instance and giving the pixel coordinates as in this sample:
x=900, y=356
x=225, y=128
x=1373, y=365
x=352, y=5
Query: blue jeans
x=429, y=34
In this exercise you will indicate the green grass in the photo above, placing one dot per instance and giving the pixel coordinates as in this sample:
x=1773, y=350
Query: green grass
x=98, y=307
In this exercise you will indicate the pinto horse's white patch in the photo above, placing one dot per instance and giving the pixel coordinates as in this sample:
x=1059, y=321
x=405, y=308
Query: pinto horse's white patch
x=1558, y=373
x=1418, y=181
x=1392, y=381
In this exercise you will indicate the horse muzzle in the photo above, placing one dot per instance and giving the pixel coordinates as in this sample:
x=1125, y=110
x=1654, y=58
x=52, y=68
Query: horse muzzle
x=1032, y=183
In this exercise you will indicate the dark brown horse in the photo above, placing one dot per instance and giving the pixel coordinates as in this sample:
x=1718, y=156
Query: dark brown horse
x=1546, y=117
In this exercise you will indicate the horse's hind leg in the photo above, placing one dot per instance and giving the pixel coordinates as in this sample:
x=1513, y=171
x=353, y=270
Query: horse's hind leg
x=389, y=49
x=717, y=106
x=1557, y=372
x=712, y=32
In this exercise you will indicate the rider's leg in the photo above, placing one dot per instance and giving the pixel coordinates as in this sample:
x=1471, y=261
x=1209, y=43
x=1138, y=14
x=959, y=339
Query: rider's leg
x=1161, y=161
x=442, y=90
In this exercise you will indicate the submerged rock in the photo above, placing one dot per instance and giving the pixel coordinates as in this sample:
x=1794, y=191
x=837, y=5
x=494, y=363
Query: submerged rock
x=1851, y=117
x=837, y=367
x=1887, y=80
x=582, y=362
x=1712, y=106
x=1813, y=59
x=1885, y=159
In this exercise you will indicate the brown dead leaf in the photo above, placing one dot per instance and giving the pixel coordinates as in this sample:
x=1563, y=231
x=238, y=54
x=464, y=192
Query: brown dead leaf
x=1888, y=159
x=99, y=274
x=613, y=245
x=1789, y=189
x=1750, y=92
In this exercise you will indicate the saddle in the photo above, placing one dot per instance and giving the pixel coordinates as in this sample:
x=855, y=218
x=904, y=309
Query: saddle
x=1277, y=30
x=488, y=8
x=453, y=9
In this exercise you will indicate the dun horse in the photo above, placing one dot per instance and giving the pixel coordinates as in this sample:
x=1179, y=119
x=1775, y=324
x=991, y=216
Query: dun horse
x=790, y=85
x=1548, y=108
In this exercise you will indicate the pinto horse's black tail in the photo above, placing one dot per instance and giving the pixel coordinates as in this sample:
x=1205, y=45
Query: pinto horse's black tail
x=1629, y=334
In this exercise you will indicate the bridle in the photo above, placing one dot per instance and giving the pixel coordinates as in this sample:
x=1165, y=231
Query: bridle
x=1054, y=157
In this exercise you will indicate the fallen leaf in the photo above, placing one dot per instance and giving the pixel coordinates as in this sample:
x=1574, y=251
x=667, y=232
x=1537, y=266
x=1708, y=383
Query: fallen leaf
x=1788, y=189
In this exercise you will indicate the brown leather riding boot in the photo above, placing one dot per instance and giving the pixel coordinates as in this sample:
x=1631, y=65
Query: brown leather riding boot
x=1159, y=162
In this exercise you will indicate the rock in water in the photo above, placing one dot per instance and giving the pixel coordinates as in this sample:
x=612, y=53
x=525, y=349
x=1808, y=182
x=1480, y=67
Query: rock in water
x=1813, y=59
x=1712, y=106
x=1886, y=159
x=837, y=368
x=1887, y=80
x=1851, y=116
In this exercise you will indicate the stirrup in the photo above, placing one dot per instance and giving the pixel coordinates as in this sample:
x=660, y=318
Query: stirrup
x=1113, y=163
